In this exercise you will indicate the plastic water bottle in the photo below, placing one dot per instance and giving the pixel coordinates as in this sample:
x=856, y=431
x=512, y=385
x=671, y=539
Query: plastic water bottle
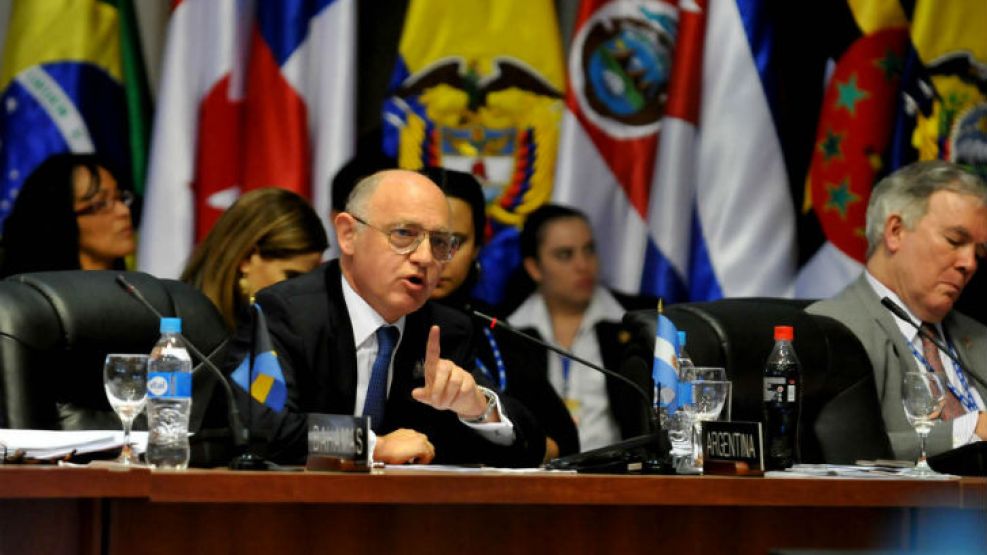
x=684, y=360
x=169, y=398
x=782, y=394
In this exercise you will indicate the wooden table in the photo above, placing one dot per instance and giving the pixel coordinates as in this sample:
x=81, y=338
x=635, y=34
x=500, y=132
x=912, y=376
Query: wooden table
x=54, y=510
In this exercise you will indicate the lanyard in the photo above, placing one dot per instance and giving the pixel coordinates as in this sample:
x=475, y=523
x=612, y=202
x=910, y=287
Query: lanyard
x=566, y=366
x=498, y=359
x=965, y=397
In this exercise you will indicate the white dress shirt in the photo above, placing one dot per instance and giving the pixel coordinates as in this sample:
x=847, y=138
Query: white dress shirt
x=964, y=425
x=595, y=422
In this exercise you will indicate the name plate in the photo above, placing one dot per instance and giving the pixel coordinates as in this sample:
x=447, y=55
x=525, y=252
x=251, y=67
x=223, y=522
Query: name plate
x=338, y=442
x=733, y=448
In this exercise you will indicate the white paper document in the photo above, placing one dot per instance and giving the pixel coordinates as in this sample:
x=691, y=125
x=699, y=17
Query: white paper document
x=55, y=444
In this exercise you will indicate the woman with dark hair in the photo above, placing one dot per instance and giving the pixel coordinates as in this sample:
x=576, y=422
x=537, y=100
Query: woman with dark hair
x=71, y=213
x=502, y=358
x=268, y=235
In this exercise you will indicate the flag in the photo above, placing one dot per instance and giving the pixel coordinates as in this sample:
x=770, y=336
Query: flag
x=477, y=88
x=72, y=80
x=248, y=99
x=686, y=190
x=664, y=371
x=261, y=369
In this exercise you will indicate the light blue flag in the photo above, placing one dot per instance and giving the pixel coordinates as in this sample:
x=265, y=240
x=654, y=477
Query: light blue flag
x=665, y=368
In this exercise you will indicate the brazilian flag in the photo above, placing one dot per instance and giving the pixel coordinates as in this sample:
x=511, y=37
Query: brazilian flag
x=72, y=80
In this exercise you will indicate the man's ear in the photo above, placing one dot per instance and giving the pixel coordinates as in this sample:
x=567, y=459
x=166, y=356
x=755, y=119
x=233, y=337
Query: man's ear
x=894, y=230
x=531, y=266
x=346, y=232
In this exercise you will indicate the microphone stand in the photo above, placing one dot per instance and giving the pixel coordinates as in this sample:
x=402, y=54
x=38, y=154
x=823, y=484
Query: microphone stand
x=245, y=460
x=900, y=313
x=618, y=456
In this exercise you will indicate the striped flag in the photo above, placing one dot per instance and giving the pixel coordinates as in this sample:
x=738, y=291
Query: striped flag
x=248, y=99
x=72, y=80
x=676, y=221
x=261, y=369
x=664, y=371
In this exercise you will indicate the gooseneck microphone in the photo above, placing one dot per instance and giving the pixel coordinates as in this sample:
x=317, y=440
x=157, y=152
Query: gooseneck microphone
x=241, y=435
x=621, y=457
x=900, y=313
x=497, y=323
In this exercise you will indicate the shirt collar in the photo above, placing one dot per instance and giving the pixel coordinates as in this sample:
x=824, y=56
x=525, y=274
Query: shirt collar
x=364, y=319
x=533, y=313
x=908, y=331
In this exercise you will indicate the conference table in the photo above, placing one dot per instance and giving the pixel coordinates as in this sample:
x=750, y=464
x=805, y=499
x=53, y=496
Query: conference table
x=49, y=509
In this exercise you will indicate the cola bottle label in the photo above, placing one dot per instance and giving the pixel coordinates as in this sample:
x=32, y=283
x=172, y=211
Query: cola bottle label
x=774, y=389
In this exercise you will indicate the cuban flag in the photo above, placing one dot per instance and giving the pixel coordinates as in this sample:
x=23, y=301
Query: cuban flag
x=664, y=371
x=253, y=94
x=261, y=369
x=668, y=144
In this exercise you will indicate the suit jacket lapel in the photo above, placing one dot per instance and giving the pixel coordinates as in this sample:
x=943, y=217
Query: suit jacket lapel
x=971, y=347
x=339, y=344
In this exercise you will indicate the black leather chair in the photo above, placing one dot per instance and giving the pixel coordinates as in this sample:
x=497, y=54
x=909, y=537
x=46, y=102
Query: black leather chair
x=57, y=327
x=841, y=418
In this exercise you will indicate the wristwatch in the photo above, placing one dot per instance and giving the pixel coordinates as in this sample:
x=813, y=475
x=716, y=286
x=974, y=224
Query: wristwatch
x=491, y=405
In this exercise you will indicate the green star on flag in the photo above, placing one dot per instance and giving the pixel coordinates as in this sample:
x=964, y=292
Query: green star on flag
x=840, y=197
x=832, y=145
x=848, y=94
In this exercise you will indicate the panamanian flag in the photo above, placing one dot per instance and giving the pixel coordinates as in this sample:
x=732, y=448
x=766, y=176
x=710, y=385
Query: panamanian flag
x=72, y=80
x=253, y=94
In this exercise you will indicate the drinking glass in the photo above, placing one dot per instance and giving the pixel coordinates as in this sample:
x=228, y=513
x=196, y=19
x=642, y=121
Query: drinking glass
x=923, y=398
x=125, y=381
x=706, y=401
x=707, y=373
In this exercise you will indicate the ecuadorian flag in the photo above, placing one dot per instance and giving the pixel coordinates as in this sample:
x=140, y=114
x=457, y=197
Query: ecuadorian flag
x=72, y=80
x=260, y=368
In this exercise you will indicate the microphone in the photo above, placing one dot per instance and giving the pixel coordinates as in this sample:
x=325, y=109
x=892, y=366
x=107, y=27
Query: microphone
x=900, y=313
x=621, y=456
x=241, y=435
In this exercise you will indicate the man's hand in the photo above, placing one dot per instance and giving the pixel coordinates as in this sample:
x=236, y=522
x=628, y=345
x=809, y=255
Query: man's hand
x=449, y=387
x=404, y=446
x=981, y=429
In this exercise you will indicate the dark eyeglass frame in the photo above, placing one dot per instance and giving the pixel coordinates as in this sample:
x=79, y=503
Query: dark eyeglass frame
x=443, y=244
x=106, y=205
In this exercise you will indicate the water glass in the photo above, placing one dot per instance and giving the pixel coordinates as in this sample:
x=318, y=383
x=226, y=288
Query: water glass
x=125, y=382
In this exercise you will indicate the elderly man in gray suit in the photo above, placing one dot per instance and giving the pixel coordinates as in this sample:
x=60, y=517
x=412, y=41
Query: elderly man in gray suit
x=926, y=233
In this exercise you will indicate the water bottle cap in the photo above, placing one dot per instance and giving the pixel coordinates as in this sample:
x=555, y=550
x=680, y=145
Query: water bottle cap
x=784, y=333
x=171, y=325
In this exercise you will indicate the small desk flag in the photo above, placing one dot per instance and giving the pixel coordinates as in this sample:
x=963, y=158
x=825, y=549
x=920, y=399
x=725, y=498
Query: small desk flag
x=260, y=368
x=665, y=368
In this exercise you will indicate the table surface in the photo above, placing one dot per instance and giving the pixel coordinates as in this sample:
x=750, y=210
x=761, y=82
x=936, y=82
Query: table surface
x=398, y=486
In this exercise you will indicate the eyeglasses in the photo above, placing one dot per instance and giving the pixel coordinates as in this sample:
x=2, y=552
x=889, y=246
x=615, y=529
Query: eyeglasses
x=406, y=238
x=106, y=204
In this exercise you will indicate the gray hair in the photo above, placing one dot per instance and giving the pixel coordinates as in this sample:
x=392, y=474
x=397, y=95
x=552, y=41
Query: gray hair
x=356, y=202
x=906, y=193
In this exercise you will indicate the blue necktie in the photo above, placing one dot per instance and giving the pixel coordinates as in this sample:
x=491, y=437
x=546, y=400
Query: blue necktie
x=387, y=338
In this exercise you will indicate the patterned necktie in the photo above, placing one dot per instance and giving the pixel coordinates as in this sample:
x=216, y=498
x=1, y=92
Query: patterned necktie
x=387, y=338
x=953, y=408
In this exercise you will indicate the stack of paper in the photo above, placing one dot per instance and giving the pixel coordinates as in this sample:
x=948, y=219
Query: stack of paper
x=55, y=444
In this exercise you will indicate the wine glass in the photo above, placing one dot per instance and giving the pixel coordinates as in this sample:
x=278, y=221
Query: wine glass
x=923, y=398
x=125, y=381
x=706, y=401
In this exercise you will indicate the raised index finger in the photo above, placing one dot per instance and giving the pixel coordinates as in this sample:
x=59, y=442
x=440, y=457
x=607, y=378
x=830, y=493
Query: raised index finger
x=432, y=352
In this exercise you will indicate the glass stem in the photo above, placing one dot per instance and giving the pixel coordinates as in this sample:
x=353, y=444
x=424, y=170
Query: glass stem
x=128, y=423
x=922, y=457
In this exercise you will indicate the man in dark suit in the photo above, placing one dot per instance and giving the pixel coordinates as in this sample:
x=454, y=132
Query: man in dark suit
x=926, y=232
x=334, y=328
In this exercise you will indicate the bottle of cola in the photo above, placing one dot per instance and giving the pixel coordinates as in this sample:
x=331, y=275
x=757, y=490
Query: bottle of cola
x=782, y=396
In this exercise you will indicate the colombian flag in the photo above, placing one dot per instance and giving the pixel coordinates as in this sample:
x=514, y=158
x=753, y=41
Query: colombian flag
x=478, y=88
x=72, y=80
x=261, y=369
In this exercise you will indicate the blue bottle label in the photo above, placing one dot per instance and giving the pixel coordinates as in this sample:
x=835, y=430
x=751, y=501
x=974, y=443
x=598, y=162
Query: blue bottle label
x=169, y=385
